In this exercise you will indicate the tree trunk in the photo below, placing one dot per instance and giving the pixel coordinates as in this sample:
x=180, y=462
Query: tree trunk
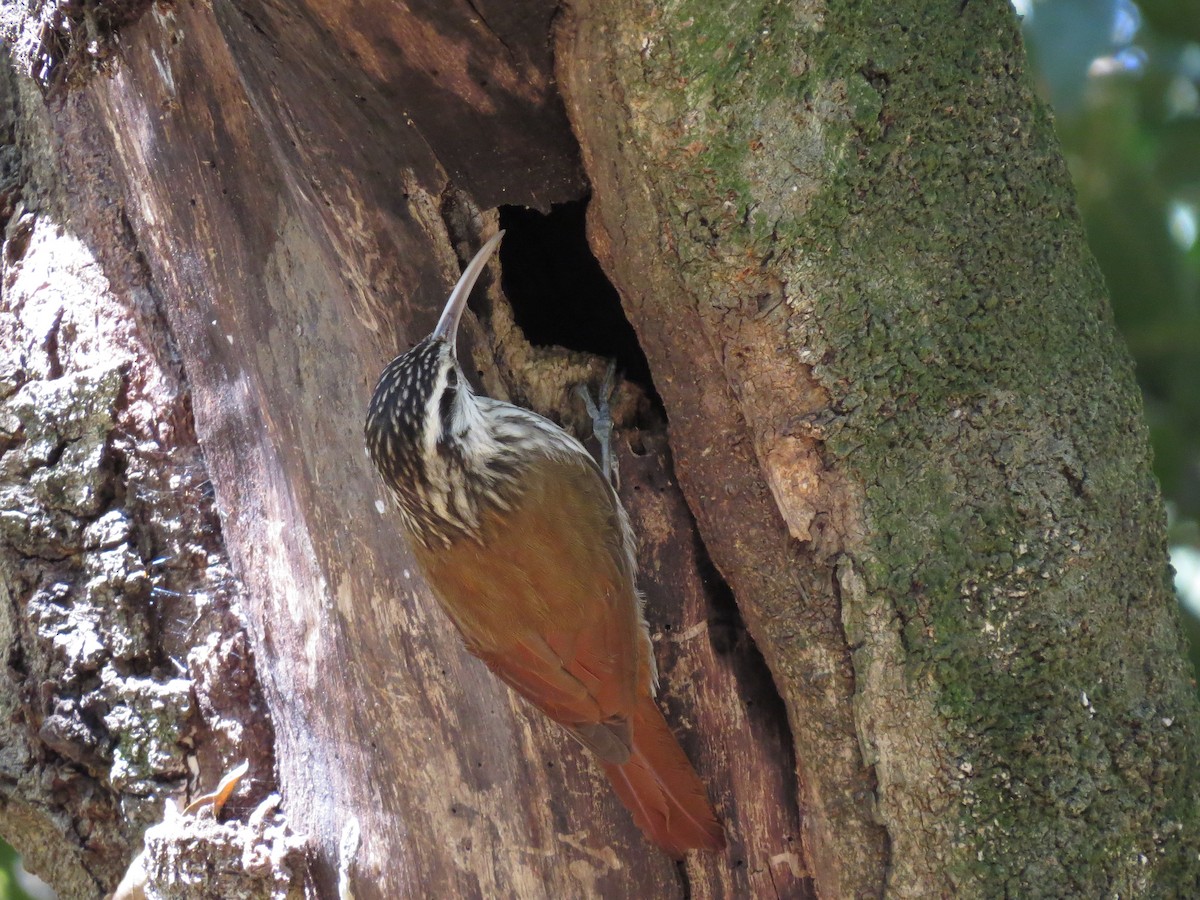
x=904, y=460
x=849, y=240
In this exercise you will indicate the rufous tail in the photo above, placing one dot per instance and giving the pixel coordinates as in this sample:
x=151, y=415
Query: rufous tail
x=662, y=790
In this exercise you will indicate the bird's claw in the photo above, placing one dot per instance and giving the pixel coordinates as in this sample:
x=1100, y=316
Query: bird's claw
x=600, y=412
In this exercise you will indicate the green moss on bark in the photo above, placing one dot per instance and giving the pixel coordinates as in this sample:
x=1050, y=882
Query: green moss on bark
x=890, y=163
x=990, y=409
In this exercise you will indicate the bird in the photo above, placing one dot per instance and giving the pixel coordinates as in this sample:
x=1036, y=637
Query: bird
x=526, y=546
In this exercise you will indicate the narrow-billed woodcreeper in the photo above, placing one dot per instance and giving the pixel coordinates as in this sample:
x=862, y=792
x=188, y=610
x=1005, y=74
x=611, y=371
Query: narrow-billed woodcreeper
x=526, y=546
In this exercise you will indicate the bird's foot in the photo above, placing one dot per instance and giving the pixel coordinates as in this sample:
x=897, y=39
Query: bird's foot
x=602, y=424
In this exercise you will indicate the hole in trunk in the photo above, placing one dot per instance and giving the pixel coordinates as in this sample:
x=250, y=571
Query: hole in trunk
x=559, y=293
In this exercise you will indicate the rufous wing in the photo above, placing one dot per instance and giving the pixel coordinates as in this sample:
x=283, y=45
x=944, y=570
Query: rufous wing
x=546, y=599
x=578, y=690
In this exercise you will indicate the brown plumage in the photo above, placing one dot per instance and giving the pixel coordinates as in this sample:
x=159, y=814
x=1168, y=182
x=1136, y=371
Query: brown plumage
x=527, y=548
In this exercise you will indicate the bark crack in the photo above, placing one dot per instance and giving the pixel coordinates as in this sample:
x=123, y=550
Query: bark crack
x=483, y=20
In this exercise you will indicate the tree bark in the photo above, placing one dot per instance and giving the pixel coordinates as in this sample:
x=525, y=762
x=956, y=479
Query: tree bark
x=901, y=518
x=847, y=237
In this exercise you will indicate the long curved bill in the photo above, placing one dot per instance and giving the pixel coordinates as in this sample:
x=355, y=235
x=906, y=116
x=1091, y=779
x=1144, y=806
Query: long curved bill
x=447, y=326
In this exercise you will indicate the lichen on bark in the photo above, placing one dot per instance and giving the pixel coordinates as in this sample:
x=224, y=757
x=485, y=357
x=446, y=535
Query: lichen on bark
x=125, y=661
x=987, y=406
x=864, y=209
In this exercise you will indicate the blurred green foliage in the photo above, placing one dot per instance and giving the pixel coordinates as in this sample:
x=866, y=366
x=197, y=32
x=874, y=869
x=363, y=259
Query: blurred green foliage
x=9, y=888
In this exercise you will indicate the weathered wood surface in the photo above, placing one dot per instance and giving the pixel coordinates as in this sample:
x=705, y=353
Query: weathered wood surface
x=299, y=178
x=279, y=195
x=127, y=666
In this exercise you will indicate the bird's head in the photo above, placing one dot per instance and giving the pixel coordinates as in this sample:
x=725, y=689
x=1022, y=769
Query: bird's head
x=420, y=413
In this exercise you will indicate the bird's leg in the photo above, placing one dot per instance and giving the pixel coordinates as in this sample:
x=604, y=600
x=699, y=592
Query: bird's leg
x=602, y=423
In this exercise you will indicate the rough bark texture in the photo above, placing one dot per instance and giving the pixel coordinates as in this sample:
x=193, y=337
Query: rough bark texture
x=846, y=236
x=128, y=675
x=899, y=412
x=298, y=180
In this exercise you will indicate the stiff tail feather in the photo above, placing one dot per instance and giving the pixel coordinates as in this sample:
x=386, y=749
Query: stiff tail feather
x=662, y=790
